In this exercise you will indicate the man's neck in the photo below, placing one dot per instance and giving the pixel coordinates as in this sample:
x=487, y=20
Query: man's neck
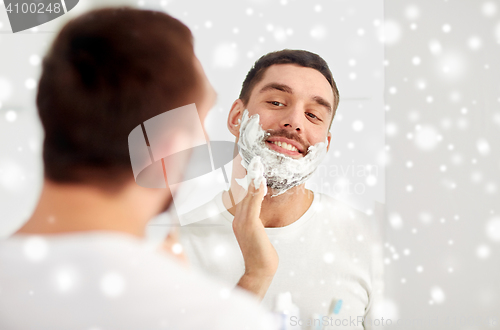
x=76, y=208
x=281, y=210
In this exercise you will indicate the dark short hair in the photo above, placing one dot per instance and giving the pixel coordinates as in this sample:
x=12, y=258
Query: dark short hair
x=106, y=72
x=288, y=56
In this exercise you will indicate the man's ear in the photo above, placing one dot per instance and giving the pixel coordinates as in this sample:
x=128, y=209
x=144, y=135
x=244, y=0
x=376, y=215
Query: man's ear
x=234, y=118
x=329, y=138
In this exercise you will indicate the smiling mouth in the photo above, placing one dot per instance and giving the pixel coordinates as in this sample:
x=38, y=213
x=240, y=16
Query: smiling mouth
x=284, y=148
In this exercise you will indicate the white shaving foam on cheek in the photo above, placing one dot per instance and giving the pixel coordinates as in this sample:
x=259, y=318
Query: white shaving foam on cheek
x=281, y=172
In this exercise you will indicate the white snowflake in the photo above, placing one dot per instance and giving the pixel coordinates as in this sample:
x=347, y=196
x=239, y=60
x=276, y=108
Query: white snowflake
x=425, y=218
x=426, y=138
x=280, y=34
x=435, y=47
x=493, y=229
x=36, y=248
x=483, y=251
x=35, y=60
x=66, y=279
x=489, y=8
x=497, y=31
x=177, y=248
x=395, y=221
x=483, y=147
x=421, y=84
x=390, y=32
x=328, y=257
x=5, y=89
x=112, y=284
x=225, y=55
x=30, y=83
x=387, y=308
x=437, y=295
x=220, y=251
x=412, y=12
x=391, y=129
x=12, y=175
x=11, y=116
x=371, y=180
x=357, y=125
x=225, y=293
x=474, y=43
x=490, y=188
x=318, y=32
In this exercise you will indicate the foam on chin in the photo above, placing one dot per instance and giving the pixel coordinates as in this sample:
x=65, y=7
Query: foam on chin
x=281, y=172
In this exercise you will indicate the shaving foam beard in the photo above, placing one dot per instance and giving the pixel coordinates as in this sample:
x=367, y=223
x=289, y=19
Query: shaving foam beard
x=281, y=172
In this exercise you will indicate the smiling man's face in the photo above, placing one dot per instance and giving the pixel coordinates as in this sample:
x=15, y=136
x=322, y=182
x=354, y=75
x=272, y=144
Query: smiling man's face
x=295, y=106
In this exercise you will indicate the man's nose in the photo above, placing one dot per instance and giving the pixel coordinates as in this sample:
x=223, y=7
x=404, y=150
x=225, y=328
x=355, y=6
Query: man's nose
x=292, y=119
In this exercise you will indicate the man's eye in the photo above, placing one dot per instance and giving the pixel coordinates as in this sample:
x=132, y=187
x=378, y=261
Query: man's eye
x=312, y=115
x=276, y=103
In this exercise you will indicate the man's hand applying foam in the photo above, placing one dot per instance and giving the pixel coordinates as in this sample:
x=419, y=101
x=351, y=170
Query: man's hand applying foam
x=261, y=259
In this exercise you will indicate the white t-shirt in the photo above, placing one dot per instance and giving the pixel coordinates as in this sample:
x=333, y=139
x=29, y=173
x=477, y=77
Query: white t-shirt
x=329, y=254
x=106, y=280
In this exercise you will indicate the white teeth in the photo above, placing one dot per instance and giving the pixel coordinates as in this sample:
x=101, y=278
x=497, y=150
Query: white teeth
x=285, y=145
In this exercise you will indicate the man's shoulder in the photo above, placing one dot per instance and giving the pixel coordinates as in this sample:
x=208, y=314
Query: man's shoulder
x=149, y=279
x=345, y=215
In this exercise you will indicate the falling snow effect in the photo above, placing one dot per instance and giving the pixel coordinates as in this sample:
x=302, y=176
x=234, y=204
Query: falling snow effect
x=390, y=32
x=442, y=132
x=437, y=65
x=328, y=258
x=5, y=89
x=395, y=221
x=66, y=279
x=36, y=249
x=493, y=229
x=318, y=32
x=483, y=251
x=112, y=285
x=225, y=55
x=426, y=138
x=438, y=295
x=10, y=115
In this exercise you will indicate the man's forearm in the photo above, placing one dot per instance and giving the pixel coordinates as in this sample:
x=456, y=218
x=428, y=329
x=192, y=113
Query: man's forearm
x=256, y=284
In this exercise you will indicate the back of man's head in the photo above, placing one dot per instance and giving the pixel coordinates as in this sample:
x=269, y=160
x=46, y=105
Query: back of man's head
x=108, y=71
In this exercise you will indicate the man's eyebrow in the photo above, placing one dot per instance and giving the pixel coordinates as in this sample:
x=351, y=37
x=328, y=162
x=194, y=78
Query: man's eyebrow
x=280, y=87
x=287, y=89
x=323, y=102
